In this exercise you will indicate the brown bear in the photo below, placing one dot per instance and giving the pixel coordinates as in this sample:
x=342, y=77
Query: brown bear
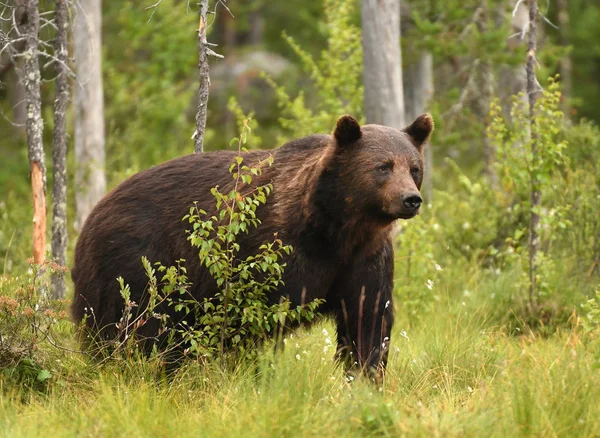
x=335, y=199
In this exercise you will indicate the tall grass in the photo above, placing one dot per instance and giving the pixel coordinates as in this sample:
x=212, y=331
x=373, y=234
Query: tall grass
x=447, y=376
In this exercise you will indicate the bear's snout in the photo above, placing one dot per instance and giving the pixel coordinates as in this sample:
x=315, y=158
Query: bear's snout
x=412, y=201
x=407, y=205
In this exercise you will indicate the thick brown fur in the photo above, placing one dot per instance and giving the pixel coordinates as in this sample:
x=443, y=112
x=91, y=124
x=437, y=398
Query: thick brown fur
x=334, y=200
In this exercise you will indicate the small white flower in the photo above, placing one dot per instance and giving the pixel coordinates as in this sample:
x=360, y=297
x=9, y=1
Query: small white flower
x=403, y=334
x=429, y=284
x=436, y=226
x=297, y=357
x=438, y=267
x=325, y=332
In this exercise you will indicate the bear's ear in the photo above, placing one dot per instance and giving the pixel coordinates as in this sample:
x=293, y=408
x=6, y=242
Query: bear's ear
x=347, y=130
x=420, y=130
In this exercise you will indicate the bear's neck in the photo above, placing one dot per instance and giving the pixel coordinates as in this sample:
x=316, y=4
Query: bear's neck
x=348, y=234
x=327, y=224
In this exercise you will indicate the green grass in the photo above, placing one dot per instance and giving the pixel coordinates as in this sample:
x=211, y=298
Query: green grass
x=446, y=377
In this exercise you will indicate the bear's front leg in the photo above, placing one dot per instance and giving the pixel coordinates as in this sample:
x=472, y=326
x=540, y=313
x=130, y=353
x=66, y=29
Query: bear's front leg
x=362, y=296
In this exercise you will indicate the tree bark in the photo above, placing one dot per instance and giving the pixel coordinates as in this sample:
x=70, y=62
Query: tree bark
x=486, y=85
x=204, y=79
x=382, y=58
x=34, y=127
x=532, y=88
x=90, y=180
x=565, y=64
x=419, y=88
x=59, y=151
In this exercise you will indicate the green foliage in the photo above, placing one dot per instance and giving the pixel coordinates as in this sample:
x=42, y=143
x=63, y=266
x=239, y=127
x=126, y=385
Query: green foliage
x=147, y=83
x=519, y=167
x=591, y=313
x=240, y=314
x=464, y=28
x=417, y=268
x=584, y=36
x=582, y=192
x=336, y=77
x=27, y=321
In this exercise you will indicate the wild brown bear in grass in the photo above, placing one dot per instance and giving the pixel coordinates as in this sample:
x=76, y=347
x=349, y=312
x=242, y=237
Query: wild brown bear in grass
x=335, y=199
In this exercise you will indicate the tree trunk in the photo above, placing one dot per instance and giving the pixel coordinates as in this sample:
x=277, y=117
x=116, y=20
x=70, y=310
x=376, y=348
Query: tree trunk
x=566, y=64
x=419, y=87
x=34, y=127
x=486, y=84
x=90, y=180
x=59, y=151
x=532, y=87
x=382, y=77
x=204, y=79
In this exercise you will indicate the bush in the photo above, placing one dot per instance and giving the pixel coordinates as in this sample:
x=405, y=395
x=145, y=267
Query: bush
x=27, y=319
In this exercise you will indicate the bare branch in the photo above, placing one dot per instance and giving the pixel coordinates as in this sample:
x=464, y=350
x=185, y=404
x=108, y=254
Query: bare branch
x=465, y=94
x=547, y=21
x=514, y=12
x=154, y=7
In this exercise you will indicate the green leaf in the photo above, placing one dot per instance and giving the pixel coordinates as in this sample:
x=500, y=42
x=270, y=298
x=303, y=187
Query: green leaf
x=43, y=375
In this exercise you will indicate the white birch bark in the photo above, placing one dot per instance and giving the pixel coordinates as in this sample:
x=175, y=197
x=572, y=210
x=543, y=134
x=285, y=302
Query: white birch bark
x=382, y=58
x=90, y=180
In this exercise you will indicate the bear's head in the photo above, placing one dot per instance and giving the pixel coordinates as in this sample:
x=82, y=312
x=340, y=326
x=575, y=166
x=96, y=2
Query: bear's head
x=380, y=168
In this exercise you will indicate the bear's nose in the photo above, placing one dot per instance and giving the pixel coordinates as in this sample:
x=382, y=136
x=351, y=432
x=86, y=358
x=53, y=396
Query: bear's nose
x=412, y=202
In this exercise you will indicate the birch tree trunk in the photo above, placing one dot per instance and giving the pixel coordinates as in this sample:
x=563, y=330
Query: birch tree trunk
x=90, y=180
x=34, y=127
x=419, y=88
x=486, y=85
x=204, y=79
x=534, y=222
x=382, y=77
x=59, y=151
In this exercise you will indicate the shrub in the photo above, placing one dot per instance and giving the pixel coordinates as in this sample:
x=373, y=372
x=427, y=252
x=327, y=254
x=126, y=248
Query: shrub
x=27, y=319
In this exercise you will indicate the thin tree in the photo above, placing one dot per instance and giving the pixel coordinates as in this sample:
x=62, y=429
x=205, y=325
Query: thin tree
x=419, y=88
x=532, y=88
x=204, y=79
x=382, y=59
x=59, y=150
x=90, y=180
x=486, y=85
x=34, y=127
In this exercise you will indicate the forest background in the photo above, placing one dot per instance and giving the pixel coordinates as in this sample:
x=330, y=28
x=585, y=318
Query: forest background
x=476, y=350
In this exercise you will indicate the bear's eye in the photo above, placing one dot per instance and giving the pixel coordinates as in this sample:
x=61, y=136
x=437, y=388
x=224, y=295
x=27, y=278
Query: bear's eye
x=384, y=168
x=414, y=171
